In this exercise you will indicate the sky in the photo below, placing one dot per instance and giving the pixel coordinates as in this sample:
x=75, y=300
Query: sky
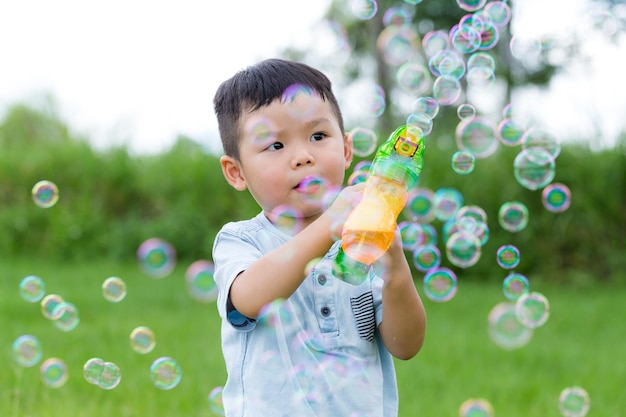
x=140, y=73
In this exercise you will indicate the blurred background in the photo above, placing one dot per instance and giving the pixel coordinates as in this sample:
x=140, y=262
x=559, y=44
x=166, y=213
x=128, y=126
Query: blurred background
x=522, y=107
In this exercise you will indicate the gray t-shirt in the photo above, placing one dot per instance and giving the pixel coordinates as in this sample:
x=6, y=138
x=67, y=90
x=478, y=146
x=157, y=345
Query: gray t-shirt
x=317, y=353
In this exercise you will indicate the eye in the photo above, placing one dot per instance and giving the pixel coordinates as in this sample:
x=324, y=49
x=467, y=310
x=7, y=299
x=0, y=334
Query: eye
x=316, y=137
x=275, y=146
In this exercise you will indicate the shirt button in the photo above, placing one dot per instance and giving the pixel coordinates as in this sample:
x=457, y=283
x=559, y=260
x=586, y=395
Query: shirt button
x=325, y=311
x=322, y=279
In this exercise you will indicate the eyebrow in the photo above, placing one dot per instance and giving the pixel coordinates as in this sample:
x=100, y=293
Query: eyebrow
x=314, y=122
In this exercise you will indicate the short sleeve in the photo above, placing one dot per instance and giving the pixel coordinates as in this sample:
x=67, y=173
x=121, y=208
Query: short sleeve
x=232, y=254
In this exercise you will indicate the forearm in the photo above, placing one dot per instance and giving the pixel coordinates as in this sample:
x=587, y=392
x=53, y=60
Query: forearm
x=404, y=318
x=280, y=272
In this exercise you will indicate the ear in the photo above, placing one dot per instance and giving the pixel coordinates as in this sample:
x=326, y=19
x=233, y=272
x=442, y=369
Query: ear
x=347, y=149
x=231, y=168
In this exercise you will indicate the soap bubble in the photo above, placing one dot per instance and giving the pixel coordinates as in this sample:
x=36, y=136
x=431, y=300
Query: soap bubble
x=92, y=370
x=216, y=405
x=27, y=350
x=410, y=233
x=463, y=249
x=419, y=206
x=142, y=339
x=515, y=285
x=32, y=288
x=510, y=132
x=446, y=202
x=66, y=316
x=534, y=168
x=440, y=284
x=499, y=12
x=471, y=5
x=463, y=162
x=426, y=257
x=113, y=289
x=427, y=106
x=508, y=256
x=542, y=139
x=478, y=136
x=286, y=218
x=435, y=41
x=413, y=78
x=364, y=141
x=54, y=372
x=505, y=329
x=49, y=306
x=398, y=44
x=446, y=89
x=532, y=309
x=364, y=9
x=556, y=197
x=574, y=402
x=466, y=111
x=157, y=257
x=45, y=194
x=165, y=373
x=110, y=377
x=513, y=216
x=476, y=407
x=200, y=281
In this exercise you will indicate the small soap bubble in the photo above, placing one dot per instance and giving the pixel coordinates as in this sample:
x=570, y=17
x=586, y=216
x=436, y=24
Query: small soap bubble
x=420, y=121
x=200, y=281
x=440, y=284
x=473, y=211
x=27, y=351
x=261, y=132
x=286, y=218
x=165, y=373
x=419, y=207
x=466, y=111
x=471, y=5
x=32, y=288
x=499, y=12
x=142, y=340
x=476, y=407
x=463, y=249
x=478, y=136
x=508, y=256
x=446, y=89
x=397, y=16
x=110, y=377
x=427, y=106
x=534, y=168
x=113, y=289
x=574, y=402
x=364, y=9
x=157, y=257
x=66, y=316
x=45, y=194
x=505, y=329
x=435, y=41
x=515, y=285
x=92, y=370
x=510, y=132
x=357, y=177
x=556, y=197
x=463, y=162
x=49, y=306
x=299, y=108
x=54, y=372
x=398, y=44
x=426, y=257
x=465, y=38
x=532, y=309
x=513, y=216
x=542, y=139
x=446, y=202
x=413, y=78
x=364, y=141
x=216, y=405
x=411, y=234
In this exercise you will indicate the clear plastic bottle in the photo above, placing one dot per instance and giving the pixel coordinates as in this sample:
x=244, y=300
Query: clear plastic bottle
x=370, y=228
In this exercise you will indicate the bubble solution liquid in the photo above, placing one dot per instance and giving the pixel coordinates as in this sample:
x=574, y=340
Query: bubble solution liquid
x=370, y=227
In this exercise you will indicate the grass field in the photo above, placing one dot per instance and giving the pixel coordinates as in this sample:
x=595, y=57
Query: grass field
x=583, y=343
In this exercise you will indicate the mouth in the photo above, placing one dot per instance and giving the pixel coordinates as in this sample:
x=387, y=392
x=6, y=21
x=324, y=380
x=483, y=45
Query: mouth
x=310, y=185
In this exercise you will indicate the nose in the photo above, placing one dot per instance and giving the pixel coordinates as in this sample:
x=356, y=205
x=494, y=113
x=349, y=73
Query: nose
x=302, y=158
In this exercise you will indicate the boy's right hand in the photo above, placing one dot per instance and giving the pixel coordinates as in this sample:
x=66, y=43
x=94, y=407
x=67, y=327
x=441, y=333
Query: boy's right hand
x=342, y=206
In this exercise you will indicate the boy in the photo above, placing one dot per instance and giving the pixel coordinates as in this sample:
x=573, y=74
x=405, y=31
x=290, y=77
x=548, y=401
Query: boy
x=297, y=341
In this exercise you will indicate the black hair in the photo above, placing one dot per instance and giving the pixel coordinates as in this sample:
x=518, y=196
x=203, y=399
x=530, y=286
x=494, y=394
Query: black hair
x=258, y=86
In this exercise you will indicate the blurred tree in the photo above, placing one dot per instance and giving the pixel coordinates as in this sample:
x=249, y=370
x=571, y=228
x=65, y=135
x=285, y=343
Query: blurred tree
x=376, y=33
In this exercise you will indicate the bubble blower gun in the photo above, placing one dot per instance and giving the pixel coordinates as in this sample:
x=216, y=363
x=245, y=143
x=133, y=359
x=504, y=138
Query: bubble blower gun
x=370, y=227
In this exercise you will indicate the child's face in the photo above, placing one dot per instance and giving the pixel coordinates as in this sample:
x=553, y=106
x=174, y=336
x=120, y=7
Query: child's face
x=285, y=143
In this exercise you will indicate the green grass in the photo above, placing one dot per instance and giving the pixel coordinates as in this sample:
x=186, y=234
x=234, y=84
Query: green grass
x=581, y=344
